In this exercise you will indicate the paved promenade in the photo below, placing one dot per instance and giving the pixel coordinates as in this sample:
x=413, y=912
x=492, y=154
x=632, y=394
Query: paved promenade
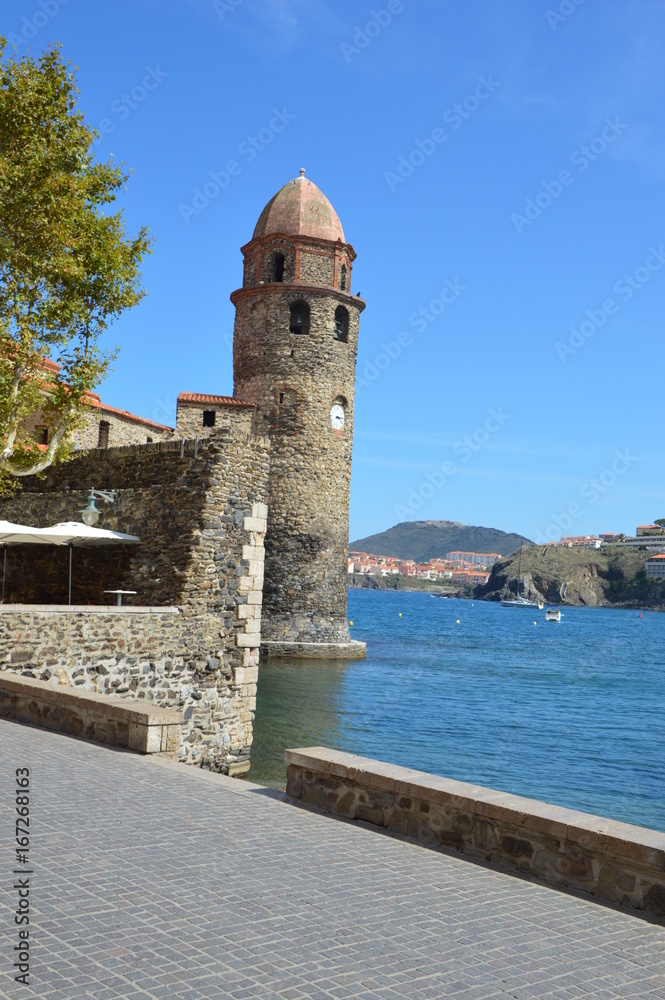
x=154, y=880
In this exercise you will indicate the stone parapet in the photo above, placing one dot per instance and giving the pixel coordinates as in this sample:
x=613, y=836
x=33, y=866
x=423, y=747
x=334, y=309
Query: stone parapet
x=144, y=728
x=565, y=848
x=314, y=650
x=84, y=609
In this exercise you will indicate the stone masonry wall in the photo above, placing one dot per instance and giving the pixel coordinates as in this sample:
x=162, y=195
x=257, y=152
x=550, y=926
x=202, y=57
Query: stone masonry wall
x=295, y=379
x=200, y=512
x=317, y=269
x=229, y=419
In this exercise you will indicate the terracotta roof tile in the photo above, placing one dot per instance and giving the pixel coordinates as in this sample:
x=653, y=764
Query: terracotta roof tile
x=93, y=400
x=202, y=397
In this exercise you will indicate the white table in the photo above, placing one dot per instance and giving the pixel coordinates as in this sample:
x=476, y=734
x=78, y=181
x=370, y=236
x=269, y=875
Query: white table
x=119, y=595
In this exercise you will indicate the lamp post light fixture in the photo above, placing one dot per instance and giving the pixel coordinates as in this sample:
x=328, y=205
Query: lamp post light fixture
x=90, y=513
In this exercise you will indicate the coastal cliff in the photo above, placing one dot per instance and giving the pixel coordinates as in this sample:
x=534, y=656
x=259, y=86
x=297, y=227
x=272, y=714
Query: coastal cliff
x=609, y=577
x=362, y=581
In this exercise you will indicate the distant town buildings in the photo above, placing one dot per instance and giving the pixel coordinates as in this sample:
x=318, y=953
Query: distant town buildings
x=465, y=571
x=581, y=542
x=485, y=559
x=655, y=567
x=647, y=536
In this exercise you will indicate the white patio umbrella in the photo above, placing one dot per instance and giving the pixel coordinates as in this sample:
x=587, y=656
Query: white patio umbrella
x=74, y=533
x=22, y=534
x=67, y=533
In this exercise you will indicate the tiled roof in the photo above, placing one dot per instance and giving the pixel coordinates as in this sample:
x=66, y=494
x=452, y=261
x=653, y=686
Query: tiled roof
x=202, y=397
x=50, y=366
x=94, y=400
x=661, y=555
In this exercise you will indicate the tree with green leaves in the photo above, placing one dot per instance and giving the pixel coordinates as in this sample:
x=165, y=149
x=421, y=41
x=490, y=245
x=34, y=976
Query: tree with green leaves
x=660, y=521
x=68, y=268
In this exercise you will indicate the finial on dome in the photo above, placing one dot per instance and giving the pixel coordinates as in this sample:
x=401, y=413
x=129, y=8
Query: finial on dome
x=302, y=171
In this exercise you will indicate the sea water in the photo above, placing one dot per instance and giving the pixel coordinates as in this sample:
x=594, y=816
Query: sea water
x=572, y=713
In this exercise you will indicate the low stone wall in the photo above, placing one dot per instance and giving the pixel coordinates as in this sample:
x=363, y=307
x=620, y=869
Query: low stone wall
x=314, y=650
x=160, y=655
x=613, y=861
x=145, y=728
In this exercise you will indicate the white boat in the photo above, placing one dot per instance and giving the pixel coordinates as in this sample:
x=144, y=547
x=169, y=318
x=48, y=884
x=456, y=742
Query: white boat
x=552, y=615
x=519, y=601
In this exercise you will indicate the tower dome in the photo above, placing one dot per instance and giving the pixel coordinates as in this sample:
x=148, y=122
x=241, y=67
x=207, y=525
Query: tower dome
x=300, y=209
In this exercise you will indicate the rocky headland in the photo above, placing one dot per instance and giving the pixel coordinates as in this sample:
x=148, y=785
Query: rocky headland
x=609, y=577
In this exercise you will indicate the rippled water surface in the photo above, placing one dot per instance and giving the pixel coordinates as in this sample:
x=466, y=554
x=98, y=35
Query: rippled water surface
x=570, y=713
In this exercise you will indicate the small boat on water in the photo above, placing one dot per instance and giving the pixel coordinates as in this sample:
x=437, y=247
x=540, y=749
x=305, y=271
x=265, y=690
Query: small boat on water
x=552, y=615
x=521, y=602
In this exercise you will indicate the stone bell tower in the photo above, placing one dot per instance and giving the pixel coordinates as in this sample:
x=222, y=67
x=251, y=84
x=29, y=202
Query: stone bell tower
x=294, y=355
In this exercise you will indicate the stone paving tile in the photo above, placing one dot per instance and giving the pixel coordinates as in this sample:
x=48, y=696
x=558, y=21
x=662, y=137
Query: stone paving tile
x=159, y=881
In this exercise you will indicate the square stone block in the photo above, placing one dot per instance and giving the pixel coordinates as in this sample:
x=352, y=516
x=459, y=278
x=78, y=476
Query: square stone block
x=255, y=524
x=251, y=640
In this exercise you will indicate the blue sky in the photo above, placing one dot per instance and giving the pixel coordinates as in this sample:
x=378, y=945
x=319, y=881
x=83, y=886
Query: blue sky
x=498, y=166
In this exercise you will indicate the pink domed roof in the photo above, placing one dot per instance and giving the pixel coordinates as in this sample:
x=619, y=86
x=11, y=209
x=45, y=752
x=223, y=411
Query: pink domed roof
x=300, y=209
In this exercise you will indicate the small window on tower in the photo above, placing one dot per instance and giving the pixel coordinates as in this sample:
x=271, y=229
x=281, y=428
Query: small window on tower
x=103, y=434
x=299, y=322
x=281, y=397
x=278, y=267
x=341, y=324
x=342, y=278
x=208, y=418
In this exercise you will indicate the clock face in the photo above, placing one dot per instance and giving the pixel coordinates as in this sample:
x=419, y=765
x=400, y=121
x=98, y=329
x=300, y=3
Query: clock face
x=337, y=417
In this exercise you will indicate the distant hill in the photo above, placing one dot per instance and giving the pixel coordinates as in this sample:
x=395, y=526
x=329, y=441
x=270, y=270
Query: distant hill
x=424, y=540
